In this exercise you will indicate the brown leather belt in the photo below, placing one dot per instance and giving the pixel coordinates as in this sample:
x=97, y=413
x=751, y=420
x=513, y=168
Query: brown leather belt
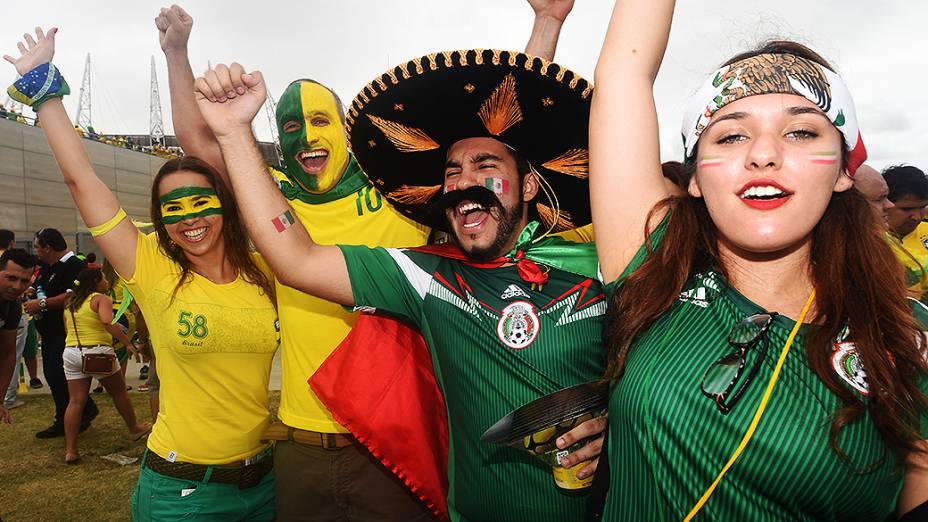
x=241, y=474
x=280, y=431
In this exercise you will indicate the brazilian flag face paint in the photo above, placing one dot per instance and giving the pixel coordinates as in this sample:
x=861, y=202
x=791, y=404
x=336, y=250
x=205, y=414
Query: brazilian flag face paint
x=185, y=203
x=312, y=137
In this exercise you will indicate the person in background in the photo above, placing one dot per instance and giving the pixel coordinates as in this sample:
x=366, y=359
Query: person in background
x=869, y=182
x=60, y=267
x=908, y=192
x=88, y=322
x=8, y=241
x=16, y=268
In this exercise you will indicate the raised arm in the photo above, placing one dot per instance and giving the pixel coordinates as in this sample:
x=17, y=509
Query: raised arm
x=193, y=135
x=293, y=256
x=549, y=17
x=625, y=164
x=96, y=203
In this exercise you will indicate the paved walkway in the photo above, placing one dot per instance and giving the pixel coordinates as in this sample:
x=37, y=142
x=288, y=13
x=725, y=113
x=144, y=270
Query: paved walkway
x=132, y=376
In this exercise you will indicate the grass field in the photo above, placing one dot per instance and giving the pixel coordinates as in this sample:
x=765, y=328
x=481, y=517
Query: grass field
x=37, y=486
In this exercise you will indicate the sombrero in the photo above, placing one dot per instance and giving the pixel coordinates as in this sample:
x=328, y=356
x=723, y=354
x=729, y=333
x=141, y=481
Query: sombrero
x=401, y=125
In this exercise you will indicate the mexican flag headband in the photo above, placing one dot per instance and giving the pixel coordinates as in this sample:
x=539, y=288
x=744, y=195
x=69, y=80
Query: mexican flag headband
x=776, y=74
x=401, y=125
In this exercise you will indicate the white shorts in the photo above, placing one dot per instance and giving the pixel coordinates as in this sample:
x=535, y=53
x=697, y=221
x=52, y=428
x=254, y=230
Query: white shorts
x=72, y=362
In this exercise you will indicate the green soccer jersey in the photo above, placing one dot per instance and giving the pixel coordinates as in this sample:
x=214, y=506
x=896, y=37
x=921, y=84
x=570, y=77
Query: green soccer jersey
x=496, y=344
x=668, y=441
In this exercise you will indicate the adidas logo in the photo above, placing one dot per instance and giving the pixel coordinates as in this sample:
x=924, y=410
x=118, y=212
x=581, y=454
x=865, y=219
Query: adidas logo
x=696, y=296
x=513, y=290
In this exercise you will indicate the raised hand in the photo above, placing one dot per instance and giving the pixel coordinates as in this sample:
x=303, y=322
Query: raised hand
x=229, y=98
x=557, y=9
x=174, y=25
x=34, y=52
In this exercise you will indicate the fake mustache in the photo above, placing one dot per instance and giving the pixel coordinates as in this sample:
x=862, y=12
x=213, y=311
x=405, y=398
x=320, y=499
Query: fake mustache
x=476, y=194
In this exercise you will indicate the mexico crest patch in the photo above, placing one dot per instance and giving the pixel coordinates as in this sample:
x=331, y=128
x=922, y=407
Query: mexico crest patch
x=518, y=325
x=849, y=367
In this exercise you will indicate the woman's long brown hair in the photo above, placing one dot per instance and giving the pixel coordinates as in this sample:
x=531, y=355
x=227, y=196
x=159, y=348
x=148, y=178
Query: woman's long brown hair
x=237, y=247
x=858, y=281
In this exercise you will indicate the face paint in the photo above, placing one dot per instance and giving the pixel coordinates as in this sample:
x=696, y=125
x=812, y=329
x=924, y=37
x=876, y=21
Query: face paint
x=499, y=186
x=189, y=203
x=709, y=161
x=824, y=158
x=450, y=186
x=312, y=137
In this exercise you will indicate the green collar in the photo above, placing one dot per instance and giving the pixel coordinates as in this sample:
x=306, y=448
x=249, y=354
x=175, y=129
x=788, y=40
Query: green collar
x=353, y=179
x=556, y=252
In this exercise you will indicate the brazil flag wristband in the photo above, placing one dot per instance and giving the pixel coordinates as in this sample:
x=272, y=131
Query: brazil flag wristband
x=39, y=85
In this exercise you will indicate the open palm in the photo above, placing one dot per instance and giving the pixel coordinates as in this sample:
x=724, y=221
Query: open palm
x=35, y=51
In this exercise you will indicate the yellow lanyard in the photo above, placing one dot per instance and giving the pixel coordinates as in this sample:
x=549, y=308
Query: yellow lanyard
x=757, y=415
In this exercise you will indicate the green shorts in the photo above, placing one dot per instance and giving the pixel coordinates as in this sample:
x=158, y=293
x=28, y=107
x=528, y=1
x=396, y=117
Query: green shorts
x=158, y=497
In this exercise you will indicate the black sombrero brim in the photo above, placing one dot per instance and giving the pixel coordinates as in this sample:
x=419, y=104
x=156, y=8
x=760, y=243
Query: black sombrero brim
x=401, y=125
x=548, y=411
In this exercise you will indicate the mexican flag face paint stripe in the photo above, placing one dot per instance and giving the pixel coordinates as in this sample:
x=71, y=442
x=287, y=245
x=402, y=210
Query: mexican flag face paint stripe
x=498, y=185
x=825, y=158
x=185, y=203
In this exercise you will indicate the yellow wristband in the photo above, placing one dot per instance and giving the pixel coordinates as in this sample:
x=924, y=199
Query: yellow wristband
x=99, y=230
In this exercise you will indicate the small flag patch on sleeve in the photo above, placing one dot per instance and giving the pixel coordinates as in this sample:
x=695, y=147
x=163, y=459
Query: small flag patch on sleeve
x=283, y=221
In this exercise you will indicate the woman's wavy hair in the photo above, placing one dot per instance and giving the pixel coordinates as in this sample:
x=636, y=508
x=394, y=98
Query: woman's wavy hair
x=85, y=285
x=858, y=281
x=237, y=246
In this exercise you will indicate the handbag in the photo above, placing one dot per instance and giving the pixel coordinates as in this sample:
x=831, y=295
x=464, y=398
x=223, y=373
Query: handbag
x=93, y=363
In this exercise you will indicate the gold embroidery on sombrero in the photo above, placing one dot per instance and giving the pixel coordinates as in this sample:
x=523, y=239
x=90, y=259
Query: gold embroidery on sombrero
x=432, y=64
x=574, y=162
x=405, y=139
x=413, y=194
x=478, y=59
x=380, y=82
x=548, y=216
x=418, y=62
x=501, y=110
x=462, y=58
x=404, y=69
x=496, y=53
x=447, y=55
x=393, y=79
x=586, y=92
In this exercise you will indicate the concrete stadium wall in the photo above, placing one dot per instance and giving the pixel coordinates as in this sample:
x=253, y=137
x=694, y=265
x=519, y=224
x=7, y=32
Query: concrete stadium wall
x=33, y=195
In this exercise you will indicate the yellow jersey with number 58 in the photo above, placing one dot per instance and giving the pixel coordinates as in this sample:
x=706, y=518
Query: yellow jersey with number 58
x=215, y=344
x=310, y=327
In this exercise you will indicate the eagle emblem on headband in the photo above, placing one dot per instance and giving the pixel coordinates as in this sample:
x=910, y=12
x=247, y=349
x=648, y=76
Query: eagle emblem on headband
x=774, y=73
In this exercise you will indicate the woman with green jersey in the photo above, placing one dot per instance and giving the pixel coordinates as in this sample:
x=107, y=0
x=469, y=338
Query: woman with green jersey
x=765, y=362
x=210, y=306
x=87, y=319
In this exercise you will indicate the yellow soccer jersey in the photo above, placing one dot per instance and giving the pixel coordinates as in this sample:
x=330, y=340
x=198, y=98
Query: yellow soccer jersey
x=310, y=327
x=215, y=344
x=915, y=258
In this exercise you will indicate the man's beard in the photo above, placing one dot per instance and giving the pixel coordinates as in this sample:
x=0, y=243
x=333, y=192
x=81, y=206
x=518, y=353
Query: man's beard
x=507, y=220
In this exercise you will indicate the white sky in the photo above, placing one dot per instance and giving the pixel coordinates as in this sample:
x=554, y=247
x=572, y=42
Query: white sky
x=879, y=47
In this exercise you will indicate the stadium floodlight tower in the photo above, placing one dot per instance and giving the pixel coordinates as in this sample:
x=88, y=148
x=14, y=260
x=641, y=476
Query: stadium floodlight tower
x=270, y=107
x=83, y=107
x=155, y=122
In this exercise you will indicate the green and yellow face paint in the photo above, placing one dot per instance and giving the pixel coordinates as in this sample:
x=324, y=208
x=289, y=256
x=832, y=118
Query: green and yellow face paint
x=312, y=137
x=190, y=202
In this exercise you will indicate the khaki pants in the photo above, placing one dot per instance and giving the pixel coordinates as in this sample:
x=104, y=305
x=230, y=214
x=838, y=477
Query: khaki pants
x=342, y=484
